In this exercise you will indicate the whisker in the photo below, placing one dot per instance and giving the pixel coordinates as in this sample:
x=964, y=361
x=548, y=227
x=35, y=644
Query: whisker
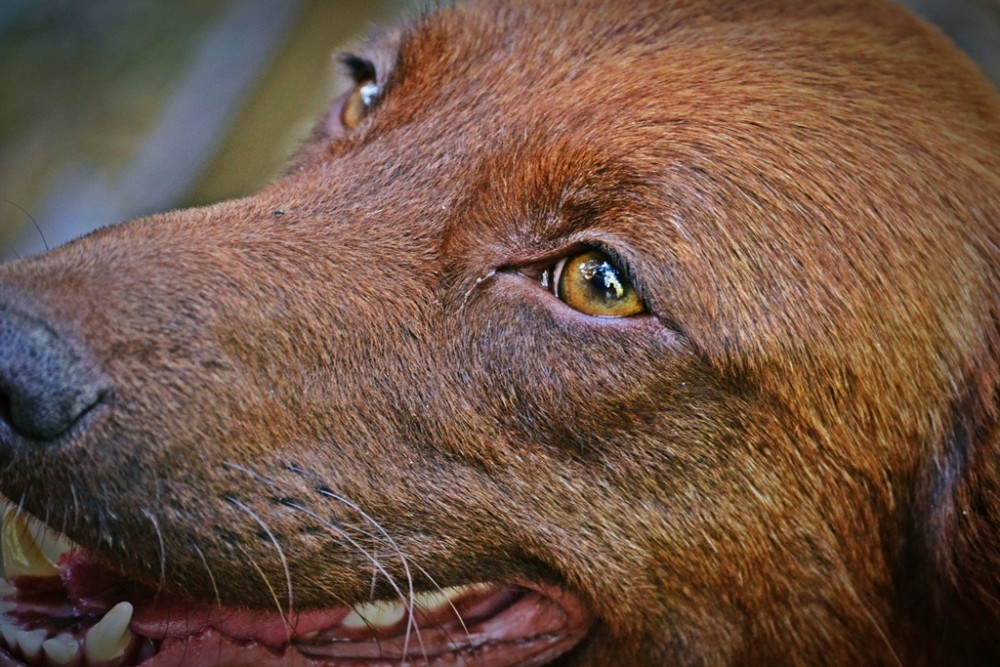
x=76, y=503
x=162, y=548
x=30, y=217
x=335, y=529
x=377, y=566
x=274, y=594
x=342, y=534
x=208, y=569
x=454, y=609
x=374, y=581
x=409, y=598
x=411, y=625
x=281, y=556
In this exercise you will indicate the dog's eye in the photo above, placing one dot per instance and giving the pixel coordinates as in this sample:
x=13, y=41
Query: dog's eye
x=360, y=102
x=592, y=283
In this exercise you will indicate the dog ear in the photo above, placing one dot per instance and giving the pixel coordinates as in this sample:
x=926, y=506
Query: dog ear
x=958, y=515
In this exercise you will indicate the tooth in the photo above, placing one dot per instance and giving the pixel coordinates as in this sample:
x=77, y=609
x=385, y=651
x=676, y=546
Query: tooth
x=62, y=649
x=9, y=633
x=5, y=588
x=431, y=601
x=30, y=643
x=380, y=614
x=21, y=555
x=110, y=637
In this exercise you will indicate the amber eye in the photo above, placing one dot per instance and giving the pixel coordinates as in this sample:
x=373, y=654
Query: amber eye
x=592, y=283
x=360, y=102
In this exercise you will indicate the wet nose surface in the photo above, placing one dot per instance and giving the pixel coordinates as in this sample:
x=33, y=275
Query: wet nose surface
x=45, y=387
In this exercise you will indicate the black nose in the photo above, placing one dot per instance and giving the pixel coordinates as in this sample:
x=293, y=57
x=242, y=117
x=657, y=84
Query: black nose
x=44, y=385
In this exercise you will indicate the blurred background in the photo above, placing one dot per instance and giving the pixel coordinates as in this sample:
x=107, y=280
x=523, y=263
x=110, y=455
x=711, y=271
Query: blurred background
x=116, y=108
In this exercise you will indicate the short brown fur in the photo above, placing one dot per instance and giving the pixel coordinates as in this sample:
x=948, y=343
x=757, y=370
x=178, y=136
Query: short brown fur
x=794, y=461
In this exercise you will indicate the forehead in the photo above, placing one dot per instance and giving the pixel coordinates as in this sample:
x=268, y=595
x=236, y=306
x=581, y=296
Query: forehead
x=573, y=99
x=628, y=78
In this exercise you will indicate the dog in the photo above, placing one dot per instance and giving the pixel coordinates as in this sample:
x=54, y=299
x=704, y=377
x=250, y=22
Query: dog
x=655, y=332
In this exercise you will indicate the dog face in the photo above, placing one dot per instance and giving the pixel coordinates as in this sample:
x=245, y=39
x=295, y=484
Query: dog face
x=589, y=332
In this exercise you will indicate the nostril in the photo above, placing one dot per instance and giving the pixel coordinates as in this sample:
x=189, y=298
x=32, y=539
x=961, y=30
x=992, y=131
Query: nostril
x=45, y=387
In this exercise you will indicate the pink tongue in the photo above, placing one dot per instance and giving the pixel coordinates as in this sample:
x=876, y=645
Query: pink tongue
x=93, y=590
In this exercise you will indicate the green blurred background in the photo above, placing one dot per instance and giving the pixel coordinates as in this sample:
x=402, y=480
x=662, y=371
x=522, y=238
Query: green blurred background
x=115, y=108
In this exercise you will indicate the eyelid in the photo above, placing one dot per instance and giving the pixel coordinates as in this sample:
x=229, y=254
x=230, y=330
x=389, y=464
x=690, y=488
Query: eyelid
x=554, y=262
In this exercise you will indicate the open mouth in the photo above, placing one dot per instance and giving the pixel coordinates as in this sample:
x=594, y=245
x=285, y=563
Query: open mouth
x=60, y=608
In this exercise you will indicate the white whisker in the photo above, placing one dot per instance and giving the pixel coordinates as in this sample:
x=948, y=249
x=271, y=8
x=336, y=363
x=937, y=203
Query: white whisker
x=458, y=615
x=162, y=548
x=411, y=625
x=408, y=598
x=211, y=575
x=284, y=564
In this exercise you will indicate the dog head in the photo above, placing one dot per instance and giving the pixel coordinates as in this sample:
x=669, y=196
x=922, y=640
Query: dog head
x=643, y=333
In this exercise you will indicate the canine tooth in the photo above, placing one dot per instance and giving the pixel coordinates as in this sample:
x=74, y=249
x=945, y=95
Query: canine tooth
x=110, y=637
x=30, y=642
x=61, y=649
x=21, y=555
x=380, y=614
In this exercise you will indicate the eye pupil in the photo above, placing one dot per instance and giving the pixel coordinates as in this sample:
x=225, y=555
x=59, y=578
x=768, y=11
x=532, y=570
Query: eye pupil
x=603, y=279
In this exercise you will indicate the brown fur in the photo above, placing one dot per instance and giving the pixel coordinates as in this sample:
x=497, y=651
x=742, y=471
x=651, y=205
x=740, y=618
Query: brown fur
x=794, y=462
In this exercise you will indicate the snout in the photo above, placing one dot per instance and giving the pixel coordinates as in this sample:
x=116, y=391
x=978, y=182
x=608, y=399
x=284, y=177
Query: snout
x=145, y=368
